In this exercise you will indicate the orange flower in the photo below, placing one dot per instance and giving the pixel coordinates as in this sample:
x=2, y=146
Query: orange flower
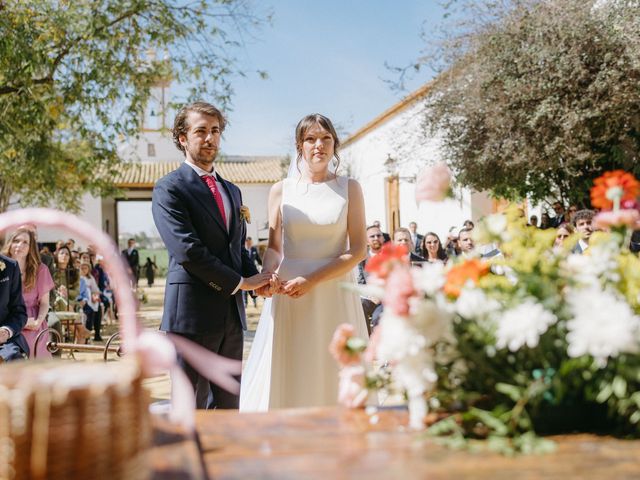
x=460, y=274
x=611, y=184
x=390, y=255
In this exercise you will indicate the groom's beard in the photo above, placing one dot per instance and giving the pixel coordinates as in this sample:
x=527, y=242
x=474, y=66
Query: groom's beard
x=203, y=157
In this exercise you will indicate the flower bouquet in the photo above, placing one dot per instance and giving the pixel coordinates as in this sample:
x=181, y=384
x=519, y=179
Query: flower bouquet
x=538, y=341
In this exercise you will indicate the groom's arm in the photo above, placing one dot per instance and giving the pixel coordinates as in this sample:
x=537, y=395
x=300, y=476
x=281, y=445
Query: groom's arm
x=176, y=229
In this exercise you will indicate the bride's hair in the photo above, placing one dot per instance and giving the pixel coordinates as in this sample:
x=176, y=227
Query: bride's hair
x=305, y=124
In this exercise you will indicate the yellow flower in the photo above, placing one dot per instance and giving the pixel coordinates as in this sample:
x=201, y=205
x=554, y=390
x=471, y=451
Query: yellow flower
x=245, y=214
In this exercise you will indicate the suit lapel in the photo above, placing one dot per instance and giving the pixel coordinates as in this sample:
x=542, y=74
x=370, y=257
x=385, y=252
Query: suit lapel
x=202, y=194
x=232, y=204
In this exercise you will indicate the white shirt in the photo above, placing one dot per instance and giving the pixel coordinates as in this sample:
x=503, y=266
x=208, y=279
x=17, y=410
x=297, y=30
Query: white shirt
x=226, y=201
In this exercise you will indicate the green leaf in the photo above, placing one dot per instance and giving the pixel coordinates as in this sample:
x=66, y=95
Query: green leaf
x=513, y=392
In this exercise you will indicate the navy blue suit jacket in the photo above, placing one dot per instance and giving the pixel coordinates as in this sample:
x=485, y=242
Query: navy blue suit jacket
x=13, y=313
x=206, y=262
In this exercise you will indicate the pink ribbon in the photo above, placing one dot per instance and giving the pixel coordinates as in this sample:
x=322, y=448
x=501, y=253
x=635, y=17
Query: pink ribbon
x=155, y=351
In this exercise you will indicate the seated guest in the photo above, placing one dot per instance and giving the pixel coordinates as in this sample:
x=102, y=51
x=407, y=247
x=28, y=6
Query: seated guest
x=89, y=298
x=67, y=283
x=385, y=236
x=452, y=248
x=582, y=222
x=563, y=232
x=634, y=244
x=402, y=236
x=416, y=238
x=533, y=221
x=468, y=224
x=36, y=285
x=545, y=221
x=371, y=306
x=432, y=249
x=13, y=313
x=466, y=243
x=560, y=215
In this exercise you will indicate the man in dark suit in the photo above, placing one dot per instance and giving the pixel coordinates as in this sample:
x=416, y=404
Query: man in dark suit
x=198, y=216
x=132, y=257
x=416, y=238
x=371, y=306
x=582, y=221
x=13, y=314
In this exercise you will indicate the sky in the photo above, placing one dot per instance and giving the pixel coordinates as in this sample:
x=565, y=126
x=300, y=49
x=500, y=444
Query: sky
x=326, y=57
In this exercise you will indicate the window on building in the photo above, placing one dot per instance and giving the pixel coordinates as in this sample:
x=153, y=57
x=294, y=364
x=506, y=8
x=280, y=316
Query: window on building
x=151, y=150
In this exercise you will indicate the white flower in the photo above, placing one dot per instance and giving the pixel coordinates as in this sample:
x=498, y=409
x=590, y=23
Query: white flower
x=523, y=325
x=473, y=304
x=597, y=265
x=430, y=278
x=496, y=224
x=603, y=325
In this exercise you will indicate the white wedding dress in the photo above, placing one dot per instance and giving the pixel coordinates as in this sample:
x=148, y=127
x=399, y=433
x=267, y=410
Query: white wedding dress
x=290, y=364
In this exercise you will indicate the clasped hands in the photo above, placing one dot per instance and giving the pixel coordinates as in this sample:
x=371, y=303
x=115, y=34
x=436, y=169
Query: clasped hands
x=295, y=287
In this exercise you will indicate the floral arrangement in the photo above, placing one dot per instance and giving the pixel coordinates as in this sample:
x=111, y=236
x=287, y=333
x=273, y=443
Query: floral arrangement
x=537, y=341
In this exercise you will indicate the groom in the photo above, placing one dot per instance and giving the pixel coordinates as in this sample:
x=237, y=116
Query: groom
x=197, y=213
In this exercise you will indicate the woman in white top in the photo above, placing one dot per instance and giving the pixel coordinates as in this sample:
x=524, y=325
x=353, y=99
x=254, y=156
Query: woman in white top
x=316, y=238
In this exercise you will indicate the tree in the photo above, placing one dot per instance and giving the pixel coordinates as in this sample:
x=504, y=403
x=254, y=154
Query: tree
x=75, y=76
x=538, y=97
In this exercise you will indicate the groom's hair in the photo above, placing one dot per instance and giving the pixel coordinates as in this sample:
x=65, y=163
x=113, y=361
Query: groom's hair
x=180, y=125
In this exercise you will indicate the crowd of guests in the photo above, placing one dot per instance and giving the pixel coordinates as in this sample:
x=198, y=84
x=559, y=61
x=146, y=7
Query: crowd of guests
x=428, y=248
x=68, y=279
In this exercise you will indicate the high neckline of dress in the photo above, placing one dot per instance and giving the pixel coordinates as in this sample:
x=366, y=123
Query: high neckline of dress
x=324, y=182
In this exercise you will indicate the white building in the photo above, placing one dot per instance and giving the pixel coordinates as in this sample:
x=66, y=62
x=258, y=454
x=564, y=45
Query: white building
x=386, y=155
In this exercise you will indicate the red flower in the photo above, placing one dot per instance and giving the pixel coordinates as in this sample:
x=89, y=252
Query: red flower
x=603, y=189
x=390, y=255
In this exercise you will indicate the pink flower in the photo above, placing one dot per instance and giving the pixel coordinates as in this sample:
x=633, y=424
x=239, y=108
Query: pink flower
x=371, y=353
x=338, y=346
x=398, y=291
x=434, y=183
x=617, y=218
x=352, y=392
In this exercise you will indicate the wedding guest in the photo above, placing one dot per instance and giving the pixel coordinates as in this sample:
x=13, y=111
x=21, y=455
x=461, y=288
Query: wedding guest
x=371, y=306
x=59, y=244
x=416, y=238
x=545, y=221
x=432, y=249
x=582, y=223
x=36, y=285
x=132, y=257
x=466, y=243
x=559, y=218
x=571, y=213
x=452, y=248
x=67, y=287
x=533, y=221
x=634, y=244
x=385, y=235
x=89, y=298
x=150, y=271
x=468, y=224
x=564, y=231
x=71, y=243
x=254, y=255
x=402, y=236
x=13, y=314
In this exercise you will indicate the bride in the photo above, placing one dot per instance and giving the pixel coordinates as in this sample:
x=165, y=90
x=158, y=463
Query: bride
x=316, y=238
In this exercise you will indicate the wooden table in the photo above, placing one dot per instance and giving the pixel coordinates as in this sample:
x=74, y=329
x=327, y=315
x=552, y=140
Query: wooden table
x=334, y=443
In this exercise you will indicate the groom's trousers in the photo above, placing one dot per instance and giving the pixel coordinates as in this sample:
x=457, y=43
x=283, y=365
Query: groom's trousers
x=227, y=340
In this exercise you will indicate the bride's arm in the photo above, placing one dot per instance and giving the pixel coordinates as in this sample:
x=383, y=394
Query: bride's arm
x=273, y=255
x=356, y=230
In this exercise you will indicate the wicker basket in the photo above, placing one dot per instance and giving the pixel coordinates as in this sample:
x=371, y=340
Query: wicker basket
x=68, y=421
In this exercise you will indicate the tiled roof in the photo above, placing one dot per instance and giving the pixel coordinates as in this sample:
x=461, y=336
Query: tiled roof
x=236, y=169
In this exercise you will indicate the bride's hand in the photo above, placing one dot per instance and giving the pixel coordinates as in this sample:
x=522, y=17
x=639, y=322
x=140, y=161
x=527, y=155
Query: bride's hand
x=275, y=284
x=296, y=287
x=264, y=291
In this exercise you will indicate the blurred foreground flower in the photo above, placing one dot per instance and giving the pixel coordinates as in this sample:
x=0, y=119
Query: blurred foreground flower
x=434, y=183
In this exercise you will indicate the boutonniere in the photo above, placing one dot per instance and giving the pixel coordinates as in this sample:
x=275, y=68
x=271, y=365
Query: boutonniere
x=245, y=214
x=2, y=266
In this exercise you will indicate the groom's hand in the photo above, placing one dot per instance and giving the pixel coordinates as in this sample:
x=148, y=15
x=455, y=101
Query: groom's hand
x=255, y=282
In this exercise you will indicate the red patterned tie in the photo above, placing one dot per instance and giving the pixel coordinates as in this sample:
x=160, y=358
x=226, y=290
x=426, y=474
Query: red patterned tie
x=211, y=183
